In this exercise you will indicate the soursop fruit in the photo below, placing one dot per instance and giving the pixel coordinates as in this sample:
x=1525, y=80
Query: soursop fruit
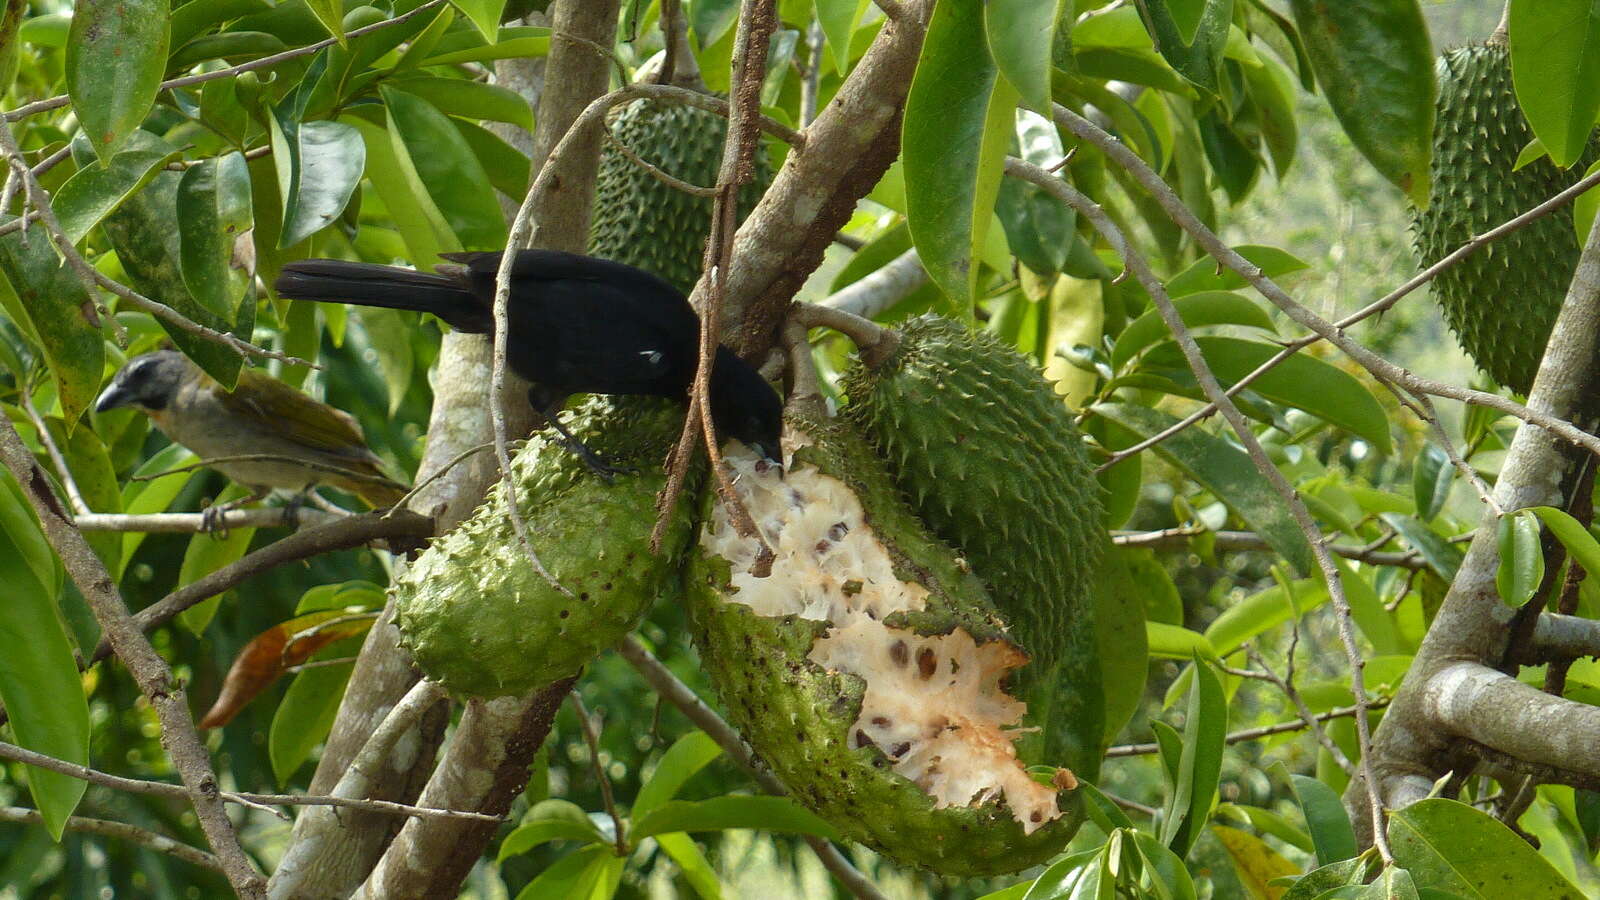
x=869, y=668
x=1501, y=301
x=990, y=459
x=644, y=222
x=476, y=615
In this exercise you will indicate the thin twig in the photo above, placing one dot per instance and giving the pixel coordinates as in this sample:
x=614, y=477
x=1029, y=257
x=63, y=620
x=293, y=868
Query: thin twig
x=619, y=835
x=1251, y=734
x=1307, y=718
x=150, y=840
x=459, y=458
x=874, y=342
x=680, y=695
x=1207, y=380
x=57, y=459
x=1172, y=538
x=655, y=171
x=61, y=100
x=1422, y=407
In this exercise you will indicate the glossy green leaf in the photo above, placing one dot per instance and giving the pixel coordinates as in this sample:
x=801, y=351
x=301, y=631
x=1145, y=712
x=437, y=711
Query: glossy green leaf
x=305, y=715
x=207, y=553
x=39, y=681
x=196, y=16
x=1198, y=59
x=483, y=14
x=1169, y=876
x=96, y=191
x=1020, y=34
x=1300, y=381
x=1555, y=66
x=467, y=46
x=1374, y=62
x=1206, y=275
x=1255, y=863
x=1432, y=476
x=1580, y=543
x=1162, y=603
x=155, y=495
x=1063, y=874
x=550, y=820
x=116, y=54
x=1205, y=730
x=958, y=124
x=506, y=166
x=1197, y=310
x=1453, y=847
x=774, y=814
x=90, y=465
x=1223, y=469
x=1521, y=558
x=1272, y=87
x=213, y=210
x=331, y=14
x=1263, y=611
x=1270, y=823
x=692, y=864
x=319, y=165
x=1176, y=642
x=1366, y=607
x=574, y=876
x=1325, y=878
x=53, y=303
x=421, y=225
x=687, y=755
x=838, y=19
x=1038, y=227
x=471, y=99
x=439, y=163
x=1101, y=810
x=1326, y=820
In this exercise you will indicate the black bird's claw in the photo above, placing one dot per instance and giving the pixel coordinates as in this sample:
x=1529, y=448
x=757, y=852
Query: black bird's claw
x=599, y=465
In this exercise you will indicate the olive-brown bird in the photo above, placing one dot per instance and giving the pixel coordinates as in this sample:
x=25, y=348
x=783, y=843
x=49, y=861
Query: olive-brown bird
x=302, y=442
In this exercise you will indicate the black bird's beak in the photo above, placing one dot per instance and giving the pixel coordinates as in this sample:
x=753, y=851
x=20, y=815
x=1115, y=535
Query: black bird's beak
x=113, y=397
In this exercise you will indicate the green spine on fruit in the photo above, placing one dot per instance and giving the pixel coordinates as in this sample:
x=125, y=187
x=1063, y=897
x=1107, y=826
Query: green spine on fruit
x=989, y=457
x=1501, y=301
x=477, y=616
x=855, y=667
x=644, y=222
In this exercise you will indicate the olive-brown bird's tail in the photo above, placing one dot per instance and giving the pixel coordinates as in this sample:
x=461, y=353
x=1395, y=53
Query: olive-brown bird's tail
x=377, y=494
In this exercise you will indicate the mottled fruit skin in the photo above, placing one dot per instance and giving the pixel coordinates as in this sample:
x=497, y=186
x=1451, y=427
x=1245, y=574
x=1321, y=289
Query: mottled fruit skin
x=798, y=716
x=1501, y=301
x=479, y=618
x=990, y=459
x=644, y=222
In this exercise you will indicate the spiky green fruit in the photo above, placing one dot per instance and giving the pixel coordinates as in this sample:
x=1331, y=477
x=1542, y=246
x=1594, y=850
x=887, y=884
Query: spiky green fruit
x=644, y=222
x=481, y=620
x=1501, y=301
x=868, y=669
x=990, y=459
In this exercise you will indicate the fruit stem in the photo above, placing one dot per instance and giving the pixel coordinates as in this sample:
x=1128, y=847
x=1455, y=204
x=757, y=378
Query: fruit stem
x=875, y=343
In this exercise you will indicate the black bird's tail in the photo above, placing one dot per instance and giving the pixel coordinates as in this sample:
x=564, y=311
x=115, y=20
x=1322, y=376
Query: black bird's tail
x=390, y=287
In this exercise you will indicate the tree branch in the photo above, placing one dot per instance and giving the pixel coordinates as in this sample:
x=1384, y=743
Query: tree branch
x=1175, y=538
x=150, y=840
x=1471, y=700
x=875, y=293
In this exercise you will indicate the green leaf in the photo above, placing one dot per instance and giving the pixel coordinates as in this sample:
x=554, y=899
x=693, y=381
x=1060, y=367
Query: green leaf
x=1057, y=881
x=1263, y=611
x=213, y=210
x=1205, y=730
x=116, y=53
x=421, y=225
x=439, y=164
x=207, y=553
x=1440, y=555
x=143, y=497
x=389, y=335
x=1206, y=275
x=1326, y=820
x=1268, y=822
x=1197, y=310
x=1521, y=558
x=39, y=681
x=1300, y=381
x=506, y=165
x=958, y=124
x=1453, y=847
x=524, y=41
x=1038, y=227
x=1224, y=470
x=574, y=876
x=1555, y=67
x=1586, y=208
x=550, y=820
x=1367, y=609
x=1374, y=62
x=1570, y=532
x=1168, y=874
x=1199, y=58
x=1325, y=878
x=331, y=14
x=53, y=304
x=687, y=755
x=1176, y=642
x=773, y=814
x=470, y=99
x=319, y=165
x=694, y=866
x=90, y=465
x=1020, y=34
x=95, y=191
x=838, y=19
x=1272, y=87
x=305, y=715
x=1124, y=656
x=1256, y=864
x=1432, y=475
x=484, y=15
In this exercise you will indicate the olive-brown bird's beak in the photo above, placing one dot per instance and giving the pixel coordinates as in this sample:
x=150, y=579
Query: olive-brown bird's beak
x=113, y=397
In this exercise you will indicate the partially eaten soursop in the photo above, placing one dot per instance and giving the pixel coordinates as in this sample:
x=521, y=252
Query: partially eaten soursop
x=869, y=669
x=988, y=456
x=481, y=620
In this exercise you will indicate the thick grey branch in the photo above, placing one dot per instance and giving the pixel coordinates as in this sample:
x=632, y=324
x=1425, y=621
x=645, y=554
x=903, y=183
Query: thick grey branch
x=1471, y=700
x=882, y=289
x=1559, y=637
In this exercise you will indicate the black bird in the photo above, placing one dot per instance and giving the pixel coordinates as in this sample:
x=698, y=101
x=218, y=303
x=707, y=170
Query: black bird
x=578, y=324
